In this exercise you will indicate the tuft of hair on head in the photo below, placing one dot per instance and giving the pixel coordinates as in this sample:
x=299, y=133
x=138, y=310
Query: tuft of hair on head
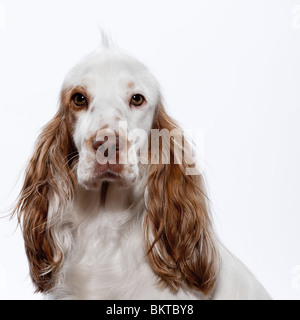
x=106, y=39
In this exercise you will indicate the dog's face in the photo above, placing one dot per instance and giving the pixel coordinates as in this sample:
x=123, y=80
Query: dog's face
x=105, y=97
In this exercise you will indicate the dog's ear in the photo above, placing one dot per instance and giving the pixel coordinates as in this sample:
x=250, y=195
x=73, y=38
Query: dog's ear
x=179, y=237
x=48, y=176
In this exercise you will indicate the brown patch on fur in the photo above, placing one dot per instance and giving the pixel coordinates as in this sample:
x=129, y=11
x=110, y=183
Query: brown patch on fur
x=130, y=85
x=183, y=250
x=68, y=108
x=104, y=127
x=52, y=163
x=89, y=142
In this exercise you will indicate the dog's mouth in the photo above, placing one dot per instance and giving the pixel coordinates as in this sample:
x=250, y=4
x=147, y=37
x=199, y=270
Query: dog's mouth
x=100, y=175
x=108, y=172
x=105, y=162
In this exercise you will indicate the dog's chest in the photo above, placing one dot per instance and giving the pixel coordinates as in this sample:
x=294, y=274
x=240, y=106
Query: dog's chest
x=107, y=261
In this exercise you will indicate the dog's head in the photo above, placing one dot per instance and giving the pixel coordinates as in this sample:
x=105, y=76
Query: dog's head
x=109, y=100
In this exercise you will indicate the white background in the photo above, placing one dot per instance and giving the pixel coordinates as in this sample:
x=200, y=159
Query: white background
x=229, y=67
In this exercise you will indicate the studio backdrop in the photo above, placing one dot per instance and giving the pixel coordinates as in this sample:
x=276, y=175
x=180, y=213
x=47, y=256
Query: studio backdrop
x=228, y=69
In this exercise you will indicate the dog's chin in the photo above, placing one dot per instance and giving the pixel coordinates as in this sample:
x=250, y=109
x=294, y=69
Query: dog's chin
x=95, y=180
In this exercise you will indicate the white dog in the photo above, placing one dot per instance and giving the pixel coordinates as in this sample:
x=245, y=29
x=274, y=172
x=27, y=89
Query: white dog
x=139, y=228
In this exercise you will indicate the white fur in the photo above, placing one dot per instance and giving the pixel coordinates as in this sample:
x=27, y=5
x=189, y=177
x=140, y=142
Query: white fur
x=106, y=257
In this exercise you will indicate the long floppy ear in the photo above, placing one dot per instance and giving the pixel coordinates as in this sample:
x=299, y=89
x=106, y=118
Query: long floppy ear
x=179, y=237
x=49, y=181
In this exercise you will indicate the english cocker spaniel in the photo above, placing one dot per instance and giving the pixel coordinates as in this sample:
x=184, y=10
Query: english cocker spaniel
x=112, y=205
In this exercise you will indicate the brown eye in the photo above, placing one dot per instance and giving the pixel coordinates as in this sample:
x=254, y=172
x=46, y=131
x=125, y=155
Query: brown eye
x=79, y=100
x=137, y=100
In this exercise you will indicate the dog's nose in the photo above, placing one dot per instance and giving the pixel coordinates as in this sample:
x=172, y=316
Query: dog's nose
x=109, y=146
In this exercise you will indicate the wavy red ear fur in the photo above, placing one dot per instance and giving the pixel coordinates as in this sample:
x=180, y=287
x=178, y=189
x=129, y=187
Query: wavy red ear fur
x=48, y=172
x=179, y=237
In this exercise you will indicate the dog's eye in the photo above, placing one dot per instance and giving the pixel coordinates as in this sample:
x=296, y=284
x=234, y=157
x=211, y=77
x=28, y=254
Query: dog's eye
x=79, y=100
x=137, y=100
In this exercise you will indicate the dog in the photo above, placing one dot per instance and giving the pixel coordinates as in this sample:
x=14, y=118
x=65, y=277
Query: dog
x=109, y=212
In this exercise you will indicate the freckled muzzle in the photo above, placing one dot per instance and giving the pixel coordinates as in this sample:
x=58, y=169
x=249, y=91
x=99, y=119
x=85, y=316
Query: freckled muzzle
x=111, y=151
